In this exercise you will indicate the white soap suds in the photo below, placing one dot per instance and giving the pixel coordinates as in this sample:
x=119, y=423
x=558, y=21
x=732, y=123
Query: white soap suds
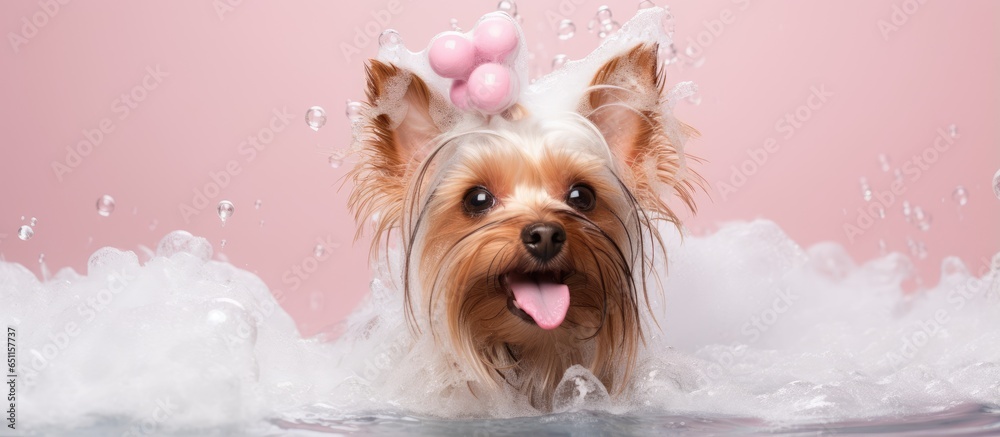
x=753, y=325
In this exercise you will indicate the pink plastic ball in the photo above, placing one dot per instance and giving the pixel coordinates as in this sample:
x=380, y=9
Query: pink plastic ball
x=460, y=94
x=495, y=38
x=490, y=88
x=452, y=55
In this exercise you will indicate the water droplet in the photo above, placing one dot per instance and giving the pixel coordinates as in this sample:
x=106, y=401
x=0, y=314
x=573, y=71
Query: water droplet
x=996, y=184
x=336, y=160
x=608, y=28
x=262, y=223
x=644, y=4
x=222, y=244
x=33, y=221
x=354, y=111
x=960, y=196
x=41, y=258
x=558, y=61
x=390, y=39
x=256, y=204
x=917, y=248
x=507, y=6
x=883, y=162
x=897, y=175
x=866, y=190
x=603, y=14
x=319, y=250
x=315, y=117
x=922, y=219
x=566, y=29
x=953, y=131
x=25, y=232
x=454, y=25
x=105, y=205
x=907, y=211
x=226, y=210
x=22, y=218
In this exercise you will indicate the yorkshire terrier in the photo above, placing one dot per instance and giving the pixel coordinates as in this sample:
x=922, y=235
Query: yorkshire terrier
x=527, y=241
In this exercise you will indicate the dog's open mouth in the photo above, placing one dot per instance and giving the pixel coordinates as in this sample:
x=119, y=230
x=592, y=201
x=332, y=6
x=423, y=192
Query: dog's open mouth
x=538, y=297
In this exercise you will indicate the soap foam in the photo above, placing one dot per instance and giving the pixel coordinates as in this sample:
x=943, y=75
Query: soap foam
x=832, y=340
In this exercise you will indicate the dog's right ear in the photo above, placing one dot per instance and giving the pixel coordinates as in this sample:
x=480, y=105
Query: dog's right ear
x=397, y=133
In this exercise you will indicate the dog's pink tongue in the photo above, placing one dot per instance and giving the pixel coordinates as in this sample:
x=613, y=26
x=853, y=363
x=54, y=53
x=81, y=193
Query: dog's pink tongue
x=546, y=302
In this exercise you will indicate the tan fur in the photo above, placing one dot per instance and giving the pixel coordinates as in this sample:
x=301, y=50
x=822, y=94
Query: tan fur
x=417, y=176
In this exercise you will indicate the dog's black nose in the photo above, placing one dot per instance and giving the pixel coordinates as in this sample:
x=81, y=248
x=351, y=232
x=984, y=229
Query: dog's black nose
x=543, y=240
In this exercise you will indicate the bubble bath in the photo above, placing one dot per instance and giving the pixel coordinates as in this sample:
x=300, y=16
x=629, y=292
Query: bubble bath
x=752, y=326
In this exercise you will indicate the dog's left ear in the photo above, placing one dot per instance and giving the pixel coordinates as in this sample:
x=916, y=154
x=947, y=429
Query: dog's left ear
x=398, y=131
x=625, y=102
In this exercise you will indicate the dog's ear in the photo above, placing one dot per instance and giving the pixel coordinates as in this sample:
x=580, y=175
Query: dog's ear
x=397, y=131
x=625, y=102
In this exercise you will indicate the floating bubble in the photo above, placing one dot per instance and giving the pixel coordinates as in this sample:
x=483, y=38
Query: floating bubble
x=354, y=110
x=390, y=39
x=566, y=29
x=558, y=61
x=336, y=160
x=882, y=246
x=646, y=4
x=105, y=205
x=917, y=248
x=603, y=14
x=256, y=204
x=222, y=244
x=996, y=184
x=319, y=250
x=226, y=210
x=25, y=232
x=879, y=210
x=153, y=224
x=33, y=221
x=315, y=117
x=608, y=28
x=907, y=211
x=960, y=196
x=507, y=6
x=953, y=131
x=262, y=223
x=454, y=25
x=922, y=219
x=866, y=190
x=883, y=162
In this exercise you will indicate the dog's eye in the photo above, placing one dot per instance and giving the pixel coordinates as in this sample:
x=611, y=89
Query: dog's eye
x=581, y=198
x=478, y=201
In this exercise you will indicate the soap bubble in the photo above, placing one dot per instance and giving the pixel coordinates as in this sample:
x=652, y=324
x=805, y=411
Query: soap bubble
x=256, y=204
x=917, y=248
x=222, y=244
x=953, y=131
x=566, y=29
x=866, y=190
x=883, y=162
x=454, y=25
x=105, y=205
x=33, y=221
x=578, y=389
x=390, y=39
x=507, y=6
x=226, y=210
x=907, y=211
x=960, y=196
x=922, y=219
x=558, y=61
x=319, y=250
x=603, y=14
x=25, y=232
x=315, y=117
x=354, y=111
x=645, y=4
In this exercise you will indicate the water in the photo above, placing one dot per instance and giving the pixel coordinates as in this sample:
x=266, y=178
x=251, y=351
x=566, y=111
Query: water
x=315, y=117
x=226, y=210
x=960, y=420
x=566, y=29
x=105, y=205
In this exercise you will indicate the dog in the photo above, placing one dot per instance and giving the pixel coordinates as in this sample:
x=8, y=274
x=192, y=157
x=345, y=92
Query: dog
x=526, y=241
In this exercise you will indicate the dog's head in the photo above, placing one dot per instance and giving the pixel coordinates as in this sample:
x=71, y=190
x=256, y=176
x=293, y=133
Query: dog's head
x=526, y=240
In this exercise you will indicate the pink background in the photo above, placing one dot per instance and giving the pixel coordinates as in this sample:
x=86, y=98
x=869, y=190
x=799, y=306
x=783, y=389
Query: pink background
x=227, y=72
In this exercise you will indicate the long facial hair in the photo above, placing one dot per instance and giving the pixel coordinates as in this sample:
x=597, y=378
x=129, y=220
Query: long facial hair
x=457, y=266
